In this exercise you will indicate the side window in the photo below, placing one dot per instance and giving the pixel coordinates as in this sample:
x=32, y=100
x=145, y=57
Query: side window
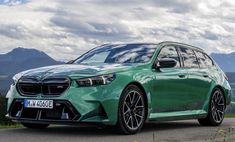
x=204, y=60
x=208, y=61
x=169, y=52
x=189, y=58
x=201, y=59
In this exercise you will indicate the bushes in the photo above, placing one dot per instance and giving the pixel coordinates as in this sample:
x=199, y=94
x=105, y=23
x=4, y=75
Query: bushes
x=231, y=108
x=3, y=107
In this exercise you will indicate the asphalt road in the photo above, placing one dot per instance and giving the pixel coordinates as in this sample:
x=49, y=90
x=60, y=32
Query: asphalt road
x=173, y=131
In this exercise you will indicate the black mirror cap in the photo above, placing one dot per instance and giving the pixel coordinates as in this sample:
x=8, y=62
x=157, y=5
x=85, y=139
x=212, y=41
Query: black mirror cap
x=69, y=62
x=166, y=63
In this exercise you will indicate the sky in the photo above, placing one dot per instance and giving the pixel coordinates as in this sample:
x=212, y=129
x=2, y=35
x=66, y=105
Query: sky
x=64, y=29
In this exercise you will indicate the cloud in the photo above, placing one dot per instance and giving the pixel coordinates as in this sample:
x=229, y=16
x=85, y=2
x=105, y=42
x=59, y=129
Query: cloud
x=92, y=29
x=66, y=29
x=12, y=2
x=178, y=6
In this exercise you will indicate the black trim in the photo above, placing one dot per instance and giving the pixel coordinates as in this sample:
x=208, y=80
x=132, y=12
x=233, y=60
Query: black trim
x=19, y=113
x=39, y=87
x=58, y=122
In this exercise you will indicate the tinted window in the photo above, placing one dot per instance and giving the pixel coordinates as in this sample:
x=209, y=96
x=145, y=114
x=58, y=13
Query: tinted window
x=129, y=53
x=169, y=52
x=189, y=58
x=208, y=61
x=204, y=60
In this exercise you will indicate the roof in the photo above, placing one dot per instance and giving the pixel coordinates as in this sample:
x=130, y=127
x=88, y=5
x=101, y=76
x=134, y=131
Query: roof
x=183, y=44
x=163, y=42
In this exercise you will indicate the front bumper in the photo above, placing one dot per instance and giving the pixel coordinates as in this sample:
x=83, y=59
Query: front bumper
x=82, y=105
x=63, y=111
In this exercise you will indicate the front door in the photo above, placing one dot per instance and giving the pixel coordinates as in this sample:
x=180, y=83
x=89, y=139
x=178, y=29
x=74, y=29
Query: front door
x=169, y=89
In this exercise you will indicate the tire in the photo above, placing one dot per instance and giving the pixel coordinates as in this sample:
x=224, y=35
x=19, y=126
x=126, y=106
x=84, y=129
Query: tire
x=35, y=126
x=216, y=110
x=131, y=111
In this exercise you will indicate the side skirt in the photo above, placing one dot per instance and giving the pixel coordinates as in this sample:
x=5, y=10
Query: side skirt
x=179, y=115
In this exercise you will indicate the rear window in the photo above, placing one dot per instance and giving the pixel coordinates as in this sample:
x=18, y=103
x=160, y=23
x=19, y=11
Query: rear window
x=189, y=58
x=204, y=60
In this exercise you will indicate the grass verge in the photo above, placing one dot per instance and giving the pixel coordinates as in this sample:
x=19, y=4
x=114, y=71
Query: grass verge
x=230, y=115
x=4, y=126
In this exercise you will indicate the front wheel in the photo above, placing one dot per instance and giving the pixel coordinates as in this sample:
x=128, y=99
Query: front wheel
x=35, y=126
x=216, y=110
x=132, y=110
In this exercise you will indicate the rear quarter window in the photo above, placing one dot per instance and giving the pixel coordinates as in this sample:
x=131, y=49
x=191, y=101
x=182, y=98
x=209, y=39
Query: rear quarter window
x=204, y=60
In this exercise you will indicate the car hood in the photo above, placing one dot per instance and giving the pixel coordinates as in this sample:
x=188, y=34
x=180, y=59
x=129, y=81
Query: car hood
x=74, y=70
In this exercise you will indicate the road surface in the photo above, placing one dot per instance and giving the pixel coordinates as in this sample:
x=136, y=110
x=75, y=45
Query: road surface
x=173, y=131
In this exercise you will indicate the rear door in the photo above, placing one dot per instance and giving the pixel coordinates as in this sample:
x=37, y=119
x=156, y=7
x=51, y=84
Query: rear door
x=198, y=81
x=206, y=74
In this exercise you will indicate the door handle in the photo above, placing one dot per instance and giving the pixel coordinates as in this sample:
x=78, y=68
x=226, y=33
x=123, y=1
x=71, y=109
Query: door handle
x=182, y=76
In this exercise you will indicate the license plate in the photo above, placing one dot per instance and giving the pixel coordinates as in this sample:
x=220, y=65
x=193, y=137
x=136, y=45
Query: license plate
x=38, y=104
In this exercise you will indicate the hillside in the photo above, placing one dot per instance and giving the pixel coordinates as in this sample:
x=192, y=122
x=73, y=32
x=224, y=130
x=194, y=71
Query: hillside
x=225, y=61
x=20, y=59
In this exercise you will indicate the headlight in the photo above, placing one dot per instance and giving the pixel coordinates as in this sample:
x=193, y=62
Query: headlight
x=95, y=81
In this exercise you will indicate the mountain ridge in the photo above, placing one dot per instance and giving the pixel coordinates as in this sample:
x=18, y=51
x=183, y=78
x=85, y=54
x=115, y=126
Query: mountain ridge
x=22, y=54
x=20, y=59
x=225, y=61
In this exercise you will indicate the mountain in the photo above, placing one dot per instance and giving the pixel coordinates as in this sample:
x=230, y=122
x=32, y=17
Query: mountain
x=20, y=59
x=225, y=61
x=19, y=54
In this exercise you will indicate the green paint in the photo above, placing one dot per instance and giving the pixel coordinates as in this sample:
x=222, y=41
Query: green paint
x=168, y=96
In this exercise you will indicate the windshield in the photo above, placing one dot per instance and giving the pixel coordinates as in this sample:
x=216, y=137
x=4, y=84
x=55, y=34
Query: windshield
x=128, y=53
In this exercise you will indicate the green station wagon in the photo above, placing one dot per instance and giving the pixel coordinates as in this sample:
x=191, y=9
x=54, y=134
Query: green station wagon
x=124, y=85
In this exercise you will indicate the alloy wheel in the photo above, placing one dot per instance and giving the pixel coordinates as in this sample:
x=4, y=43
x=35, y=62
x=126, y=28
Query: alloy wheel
x=217, y=106
x=133, y=110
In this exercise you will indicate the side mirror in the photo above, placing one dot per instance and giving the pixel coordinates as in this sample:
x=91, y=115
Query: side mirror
x=165, y=63
x=69, y=62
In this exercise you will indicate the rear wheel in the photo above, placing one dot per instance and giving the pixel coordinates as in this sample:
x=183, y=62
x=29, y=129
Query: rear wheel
x=35, y=126
x=132, y=110
x=216, y=110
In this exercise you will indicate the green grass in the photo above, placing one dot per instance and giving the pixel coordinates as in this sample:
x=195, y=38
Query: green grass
x=230, y=115
x=4, y=126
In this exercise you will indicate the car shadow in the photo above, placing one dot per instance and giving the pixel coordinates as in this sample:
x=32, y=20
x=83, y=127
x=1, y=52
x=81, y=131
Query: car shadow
x=169, y=125
x=105, y=130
